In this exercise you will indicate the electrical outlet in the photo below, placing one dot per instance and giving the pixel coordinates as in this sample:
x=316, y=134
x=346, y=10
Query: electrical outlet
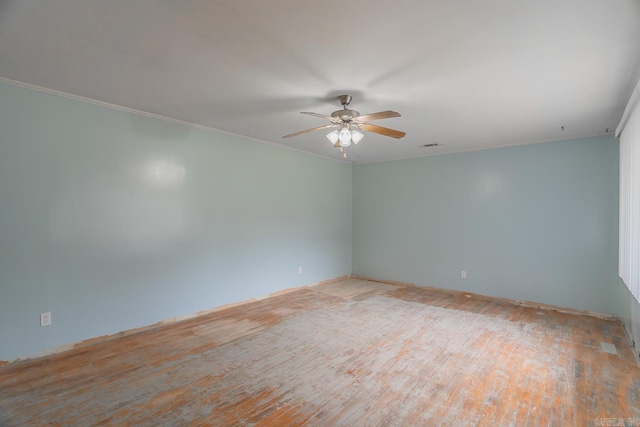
x=463, y=274
x=300, y=270
x=45, y=319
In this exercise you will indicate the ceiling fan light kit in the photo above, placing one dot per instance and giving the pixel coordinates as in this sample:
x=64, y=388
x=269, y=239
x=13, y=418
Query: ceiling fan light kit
x=349, y=123
x=345, y=137
x=356, y=136
x=333, y=137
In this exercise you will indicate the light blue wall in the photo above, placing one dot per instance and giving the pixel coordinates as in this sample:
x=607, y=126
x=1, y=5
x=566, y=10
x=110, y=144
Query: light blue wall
x=628, y=310
x=112, y=220
x=535, y=222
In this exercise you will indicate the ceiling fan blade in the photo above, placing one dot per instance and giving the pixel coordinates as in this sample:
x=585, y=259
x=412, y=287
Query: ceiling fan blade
x=309, y=130
x=322, y=116
x=382, y=131
x=377, y=116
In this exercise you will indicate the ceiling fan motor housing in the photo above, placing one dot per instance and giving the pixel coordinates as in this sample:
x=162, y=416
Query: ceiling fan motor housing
x=345, y=115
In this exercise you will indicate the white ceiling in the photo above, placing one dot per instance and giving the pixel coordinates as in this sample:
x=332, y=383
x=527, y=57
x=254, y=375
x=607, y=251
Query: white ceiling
x=465, y=74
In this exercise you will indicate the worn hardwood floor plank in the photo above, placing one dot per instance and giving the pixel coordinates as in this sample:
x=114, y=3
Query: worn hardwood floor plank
x=354, y=352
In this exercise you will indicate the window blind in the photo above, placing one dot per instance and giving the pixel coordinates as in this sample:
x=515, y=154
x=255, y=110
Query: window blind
x=629, y=226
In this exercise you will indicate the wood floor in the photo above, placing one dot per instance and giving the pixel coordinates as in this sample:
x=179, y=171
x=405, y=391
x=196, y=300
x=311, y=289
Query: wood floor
x=349, y=353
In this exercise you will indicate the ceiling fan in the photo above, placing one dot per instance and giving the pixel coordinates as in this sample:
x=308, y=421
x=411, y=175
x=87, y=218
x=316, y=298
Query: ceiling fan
x=349, y=123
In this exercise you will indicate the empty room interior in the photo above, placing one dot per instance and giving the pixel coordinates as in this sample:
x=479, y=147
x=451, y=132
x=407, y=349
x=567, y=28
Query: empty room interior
x=319, y=213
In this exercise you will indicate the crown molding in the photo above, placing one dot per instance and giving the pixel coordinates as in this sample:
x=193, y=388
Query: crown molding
x=158, y=117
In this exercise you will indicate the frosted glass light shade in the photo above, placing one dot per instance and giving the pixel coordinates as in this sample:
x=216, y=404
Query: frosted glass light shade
x=356, y=136
x=333, y=136
x=345, y=137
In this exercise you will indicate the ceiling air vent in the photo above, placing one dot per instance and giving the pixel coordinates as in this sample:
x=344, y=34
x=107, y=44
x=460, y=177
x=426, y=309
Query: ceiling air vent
x=431, y=145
